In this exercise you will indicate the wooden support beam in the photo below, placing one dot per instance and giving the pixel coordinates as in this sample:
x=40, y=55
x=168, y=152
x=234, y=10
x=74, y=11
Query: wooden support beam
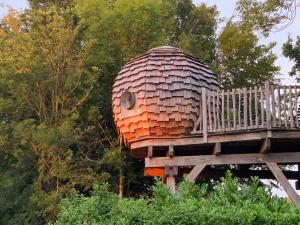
x=224, y=137
x=217, y=148
x=278, y=174
x=194, y=174
x=266, y=145
x=256, y=158
x=216, y=173
x=171, y=183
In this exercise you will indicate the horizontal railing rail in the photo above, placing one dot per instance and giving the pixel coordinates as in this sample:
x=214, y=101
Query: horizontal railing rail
x=268, y=106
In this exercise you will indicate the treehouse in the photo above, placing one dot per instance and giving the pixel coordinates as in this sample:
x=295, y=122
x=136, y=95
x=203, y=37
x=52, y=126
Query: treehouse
x=170, y=110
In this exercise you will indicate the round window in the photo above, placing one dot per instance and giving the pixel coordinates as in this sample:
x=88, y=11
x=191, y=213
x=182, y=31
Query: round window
x=127, y=100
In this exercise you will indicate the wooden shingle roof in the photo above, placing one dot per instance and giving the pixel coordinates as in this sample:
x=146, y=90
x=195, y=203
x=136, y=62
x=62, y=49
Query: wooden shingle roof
x=166, y=84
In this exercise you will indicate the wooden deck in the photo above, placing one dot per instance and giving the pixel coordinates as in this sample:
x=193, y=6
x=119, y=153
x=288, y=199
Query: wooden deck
x=244, y=127
x=195, y=156
x=246, y=141
x=239, y=115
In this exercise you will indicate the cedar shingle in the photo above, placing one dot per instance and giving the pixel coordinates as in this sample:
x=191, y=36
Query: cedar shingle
x=167, y=85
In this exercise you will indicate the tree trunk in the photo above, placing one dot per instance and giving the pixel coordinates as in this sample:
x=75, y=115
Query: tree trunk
x=121, y=182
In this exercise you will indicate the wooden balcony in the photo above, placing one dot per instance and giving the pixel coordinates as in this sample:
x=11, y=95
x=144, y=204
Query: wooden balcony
x=270, y=107
x=242, y=116
x=249, y=126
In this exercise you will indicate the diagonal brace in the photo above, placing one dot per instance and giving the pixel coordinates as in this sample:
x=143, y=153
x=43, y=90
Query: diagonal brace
x=195, y=172
x=278, y=174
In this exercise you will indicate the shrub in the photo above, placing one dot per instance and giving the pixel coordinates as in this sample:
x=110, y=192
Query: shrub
x=231, y=202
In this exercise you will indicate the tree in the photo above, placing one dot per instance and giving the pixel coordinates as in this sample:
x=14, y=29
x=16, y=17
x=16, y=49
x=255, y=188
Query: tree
x=63, y=4
x=123, y=29
x=194, y=29
x=241, y=60
x=119, y=31
x=265, y=15
x=292, y=51
x=58, y=61
x=46, y=87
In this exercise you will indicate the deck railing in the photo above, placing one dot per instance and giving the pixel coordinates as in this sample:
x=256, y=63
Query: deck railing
x=268, y=106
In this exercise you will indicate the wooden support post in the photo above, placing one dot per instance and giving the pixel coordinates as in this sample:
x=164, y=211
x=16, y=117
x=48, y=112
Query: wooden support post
x=278, y=174
x=218, y=112
x=245, y=108
x=296, y=106
x=279, y=106
x=256, y=107
x=171, y=170
x=266, y=145
x=171, y=151
x=223, y=111
x=204, y=114
x=273, y=106
x=150, y=151
x=198, y=124
x=291, y=115
x=240, y=109
x=170, y=173
x=228, y=110
x=268, y=104
x=284, y=107
x=194, y=174
x=234, y=108
x=217, y=149
x=262, y=109
x=250, y=108
x=171, y=183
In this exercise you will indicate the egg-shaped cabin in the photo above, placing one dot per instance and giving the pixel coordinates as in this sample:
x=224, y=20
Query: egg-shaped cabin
x=169, y=110
x=157, y=94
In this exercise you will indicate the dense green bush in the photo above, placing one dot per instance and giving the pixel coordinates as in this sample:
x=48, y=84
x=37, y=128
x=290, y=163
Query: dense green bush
x=229, y=203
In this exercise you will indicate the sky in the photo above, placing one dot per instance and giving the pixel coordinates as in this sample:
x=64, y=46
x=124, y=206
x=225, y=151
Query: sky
x=226, y=9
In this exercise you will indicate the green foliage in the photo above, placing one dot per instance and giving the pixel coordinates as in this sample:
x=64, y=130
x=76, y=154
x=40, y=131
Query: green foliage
x=195, y=29
x=17, y=174
x=48, y=3
x=241, y=60
x=265, y=15
x=292, y=51
x=46, y=83
x=229, y=203
x=58, y=61
x=130, y=28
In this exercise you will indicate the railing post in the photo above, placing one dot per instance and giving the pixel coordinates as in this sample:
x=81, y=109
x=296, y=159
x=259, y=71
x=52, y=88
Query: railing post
x=291, y=106
x=204, y=113
x=268, y=105
x=245, y=108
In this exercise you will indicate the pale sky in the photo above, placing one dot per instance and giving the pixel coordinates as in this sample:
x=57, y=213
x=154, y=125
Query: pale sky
x=226, y=9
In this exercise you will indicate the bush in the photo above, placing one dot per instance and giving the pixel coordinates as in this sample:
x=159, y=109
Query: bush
x=229, y=203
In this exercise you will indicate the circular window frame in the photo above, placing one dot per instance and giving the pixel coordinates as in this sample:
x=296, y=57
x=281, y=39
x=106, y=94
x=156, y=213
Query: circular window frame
x=127, y=100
